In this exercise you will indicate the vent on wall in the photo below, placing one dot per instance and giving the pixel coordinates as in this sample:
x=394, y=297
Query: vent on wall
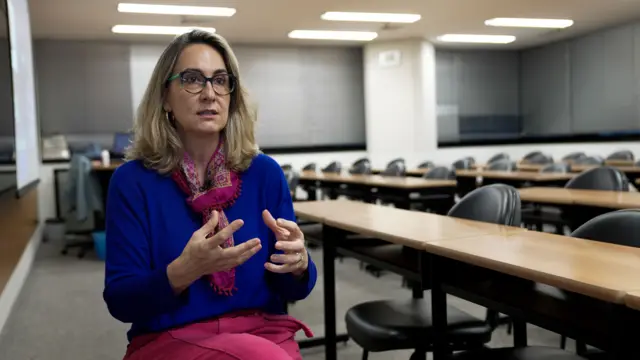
x=389, y=58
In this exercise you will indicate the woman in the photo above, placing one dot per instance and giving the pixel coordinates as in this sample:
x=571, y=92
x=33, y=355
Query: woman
x=195, y=258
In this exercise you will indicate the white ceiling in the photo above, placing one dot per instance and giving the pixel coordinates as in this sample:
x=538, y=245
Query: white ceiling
x=269, y=21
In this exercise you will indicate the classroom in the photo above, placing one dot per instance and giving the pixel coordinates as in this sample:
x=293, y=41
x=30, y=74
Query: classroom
x=282, y=179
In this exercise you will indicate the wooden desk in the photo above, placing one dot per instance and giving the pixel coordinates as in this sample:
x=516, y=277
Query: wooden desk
x=398, y=226
x=399, y=190
x=529, y=167
x=595, y=198
x=501, y=272
x=409, y=172
x=632, y=299
x=98, y=166
x=468, y=180
x=411, y=229
x=592, y=268
x=376, y=180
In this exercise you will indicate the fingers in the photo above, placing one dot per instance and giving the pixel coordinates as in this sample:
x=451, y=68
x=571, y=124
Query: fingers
x=290, y=246
x=241, y=253
x=222, y=235
x=209, y=226
x=286, y=258
x=291, y=226
x=270, y=221
x=283, y=269
x=273, y=225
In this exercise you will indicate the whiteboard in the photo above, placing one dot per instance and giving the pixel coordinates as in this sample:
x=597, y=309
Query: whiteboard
x=24, y=95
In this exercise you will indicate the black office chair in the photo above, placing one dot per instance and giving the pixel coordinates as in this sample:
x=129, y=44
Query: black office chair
x=498, y=157
x=286, y=167
x=560, y=168
x=622, y=155
x=293, y=179
x=535, y=216
x=333, y=168
x=570, y=158
x=601, y=178
x=426, y=165
x=361, y=167
x=463, y=164
x=540, y=159
x=393, y=324
x=614, y=228
x=531, y=155
x=440, y=173
x=589, y=160
x=502, y=165
x=395, y=168
x=309, y=167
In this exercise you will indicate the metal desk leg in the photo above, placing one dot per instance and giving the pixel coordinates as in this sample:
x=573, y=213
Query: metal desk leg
x=438, y=308
x=329, y=239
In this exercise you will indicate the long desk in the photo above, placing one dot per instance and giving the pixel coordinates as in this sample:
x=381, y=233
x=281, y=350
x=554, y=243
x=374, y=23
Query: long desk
x=409, y=172
x=411, y=229
x=401, y=188
x=593, y=198
x=468, y=179
x=497, y=267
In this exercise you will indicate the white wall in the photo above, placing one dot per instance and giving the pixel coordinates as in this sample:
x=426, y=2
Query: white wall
x=141, y=62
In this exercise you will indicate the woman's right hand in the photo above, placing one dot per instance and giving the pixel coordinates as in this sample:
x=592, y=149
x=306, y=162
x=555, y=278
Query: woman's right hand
x=204, y=255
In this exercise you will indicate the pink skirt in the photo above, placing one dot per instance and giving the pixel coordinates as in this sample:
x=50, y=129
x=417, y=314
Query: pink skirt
x=238, y=336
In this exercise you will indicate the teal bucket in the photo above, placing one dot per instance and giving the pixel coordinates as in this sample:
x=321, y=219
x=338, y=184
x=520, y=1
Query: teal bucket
x=100, y=244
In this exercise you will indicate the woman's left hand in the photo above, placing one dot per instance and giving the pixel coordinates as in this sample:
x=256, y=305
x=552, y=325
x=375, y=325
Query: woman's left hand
x=290, y=240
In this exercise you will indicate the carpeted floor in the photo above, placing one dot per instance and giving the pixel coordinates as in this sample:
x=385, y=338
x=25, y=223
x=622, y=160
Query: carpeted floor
x=60, y=314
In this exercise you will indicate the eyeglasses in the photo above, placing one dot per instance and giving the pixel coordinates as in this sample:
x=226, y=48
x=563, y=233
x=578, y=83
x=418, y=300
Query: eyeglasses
x=193, y=82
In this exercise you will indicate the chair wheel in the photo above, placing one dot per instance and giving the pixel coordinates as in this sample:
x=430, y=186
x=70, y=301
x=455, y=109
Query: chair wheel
x=80, y=254
x=64, y=252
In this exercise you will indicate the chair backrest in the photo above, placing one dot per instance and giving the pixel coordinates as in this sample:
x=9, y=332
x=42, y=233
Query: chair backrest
x=622, y=155
x=540, y=159
x=502, y=165
x=395, y=168
x=426, y=165
x=497, y=204
x=286, y=167
x=462, y=164
x=589, y=160
x=573, y=156
x=530, y=155
x=361, y=166
x=395, y=161
x=556, y=168
x=600, y=178
x=334, y=167
x=440, y=173
x=618, y=227
x=498, y=157
x=309, y=167
x=293, y=179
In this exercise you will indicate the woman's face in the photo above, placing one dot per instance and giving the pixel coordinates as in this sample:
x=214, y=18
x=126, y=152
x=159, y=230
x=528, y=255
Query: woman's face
x=199, y=106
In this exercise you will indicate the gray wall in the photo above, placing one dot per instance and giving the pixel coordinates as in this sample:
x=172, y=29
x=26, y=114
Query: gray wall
x=477, y=94
x=83, y=87
x=584, y=85
x=305, y=96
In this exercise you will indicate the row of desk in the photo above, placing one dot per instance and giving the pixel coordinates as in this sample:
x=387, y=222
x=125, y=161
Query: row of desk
x=497, y=267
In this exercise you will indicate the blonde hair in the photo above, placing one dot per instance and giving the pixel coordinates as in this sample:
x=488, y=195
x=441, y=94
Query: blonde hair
x=156, y=141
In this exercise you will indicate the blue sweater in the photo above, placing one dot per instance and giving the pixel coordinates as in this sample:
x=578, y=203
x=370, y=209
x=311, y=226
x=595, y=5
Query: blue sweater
x=148, y=224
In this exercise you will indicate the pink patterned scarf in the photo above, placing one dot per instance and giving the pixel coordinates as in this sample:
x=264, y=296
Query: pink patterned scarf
x=221, y=189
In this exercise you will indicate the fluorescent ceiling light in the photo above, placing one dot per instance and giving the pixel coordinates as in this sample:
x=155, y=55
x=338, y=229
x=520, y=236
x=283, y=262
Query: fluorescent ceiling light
x=532, y=23
x=480, y=39
x=370, y=17
x=333, y=35
x=157, y=30
x=175, y=10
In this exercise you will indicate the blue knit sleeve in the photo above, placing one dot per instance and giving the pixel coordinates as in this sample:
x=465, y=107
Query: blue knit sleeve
x=135, y=290
x=288, y=286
